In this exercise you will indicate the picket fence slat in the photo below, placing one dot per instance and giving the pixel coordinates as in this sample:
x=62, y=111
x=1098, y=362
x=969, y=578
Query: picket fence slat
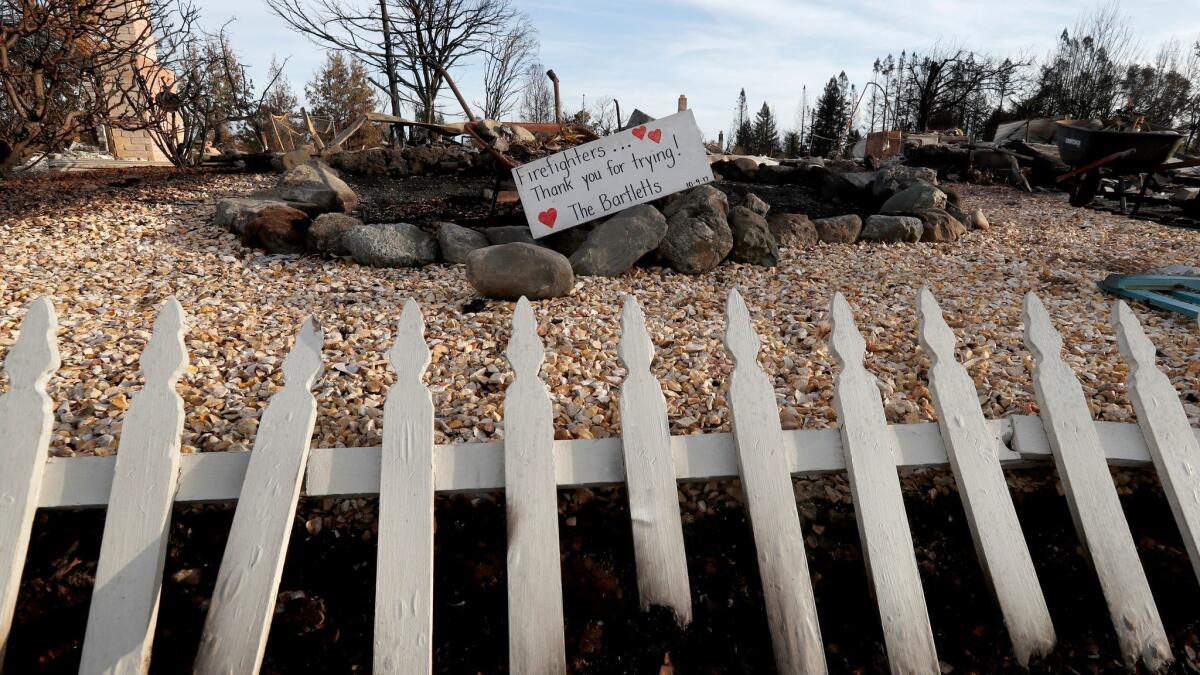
x=536, y=638
x=972, y=449
x=878, y=504
x=1092, y=497
x=662, y=574
x=1164, y=423
x=26, y=420
x=403, y=643
x=771, y=502
x=124, y=609
x=243, y=601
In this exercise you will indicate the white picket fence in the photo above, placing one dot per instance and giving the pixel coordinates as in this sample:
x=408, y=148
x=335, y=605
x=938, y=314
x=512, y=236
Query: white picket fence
x=148, y=474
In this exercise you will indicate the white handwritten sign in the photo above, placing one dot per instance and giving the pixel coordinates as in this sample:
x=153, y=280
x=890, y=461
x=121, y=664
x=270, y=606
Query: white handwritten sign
x=612, y=174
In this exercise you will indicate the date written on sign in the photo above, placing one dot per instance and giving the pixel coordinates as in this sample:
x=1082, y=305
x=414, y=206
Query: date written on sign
x=609, y=175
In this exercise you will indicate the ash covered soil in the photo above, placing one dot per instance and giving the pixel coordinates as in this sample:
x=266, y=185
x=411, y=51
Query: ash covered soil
x=109, y=247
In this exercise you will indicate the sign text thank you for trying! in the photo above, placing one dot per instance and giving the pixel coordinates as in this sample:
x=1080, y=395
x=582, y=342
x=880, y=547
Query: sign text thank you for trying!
x=603, y=177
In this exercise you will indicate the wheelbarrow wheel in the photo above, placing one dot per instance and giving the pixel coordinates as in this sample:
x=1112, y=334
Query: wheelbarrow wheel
x=1085, y=189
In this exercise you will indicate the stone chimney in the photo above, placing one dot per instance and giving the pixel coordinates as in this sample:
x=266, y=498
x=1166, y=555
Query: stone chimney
x=124, y=144
x=682, y=102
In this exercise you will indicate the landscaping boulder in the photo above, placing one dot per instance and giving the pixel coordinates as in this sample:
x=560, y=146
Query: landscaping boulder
x=940, y=226
x=755, y=204
x=892, y=229
x=392, y=245
x=953, y=209
x=743, y=168
x=314, y=182
x=849, y=187
x=792, y=230
x=778, y=174
x=509, y=234
x=838, y=229
x=509, y=271
x=236, y=214
x=617, y=243
x=457, y=242
x=326, y=233
x=698, y=236
x=915, y=198
x=976, y=220
x=752, y=240
x=278, y=229
x=566, y=242
x=897, y=177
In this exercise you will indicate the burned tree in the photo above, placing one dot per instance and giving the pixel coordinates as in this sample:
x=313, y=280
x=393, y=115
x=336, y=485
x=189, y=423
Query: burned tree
x=506, y=57
x=66, y=68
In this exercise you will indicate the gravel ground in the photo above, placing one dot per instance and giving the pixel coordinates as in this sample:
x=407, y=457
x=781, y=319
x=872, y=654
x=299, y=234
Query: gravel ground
x=108, y=249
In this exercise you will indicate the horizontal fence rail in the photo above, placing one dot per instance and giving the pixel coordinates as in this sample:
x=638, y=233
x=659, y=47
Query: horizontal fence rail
x=149, y=474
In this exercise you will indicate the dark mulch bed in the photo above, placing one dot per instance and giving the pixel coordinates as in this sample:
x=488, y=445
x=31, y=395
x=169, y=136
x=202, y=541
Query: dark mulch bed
x=324, y=615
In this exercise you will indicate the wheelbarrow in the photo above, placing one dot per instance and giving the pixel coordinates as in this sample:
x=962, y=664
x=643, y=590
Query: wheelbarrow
x=1094, y=153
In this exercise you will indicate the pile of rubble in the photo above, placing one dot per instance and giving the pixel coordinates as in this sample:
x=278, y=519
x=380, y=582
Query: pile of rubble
x=412, y=160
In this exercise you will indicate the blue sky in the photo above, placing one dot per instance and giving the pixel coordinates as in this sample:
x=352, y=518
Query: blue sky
x=645, y=54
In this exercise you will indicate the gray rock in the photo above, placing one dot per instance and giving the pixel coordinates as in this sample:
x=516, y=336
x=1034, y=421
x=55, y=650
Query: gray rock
x=940, y=226
x=326, y=233
x=617, y=243
x=752, y=240
x=314, y=182
x=698, y=236
x=976, y=220
x=393, y=245
x=755, y=204
x=839, y=229
x=510, y=271
x=792, y=230
x=509, y=234
x=892, y=179
x=915, y=198
x=235, y=214
x=892, y=229
x=566, y=242
x=958, y=214
x=457, y=242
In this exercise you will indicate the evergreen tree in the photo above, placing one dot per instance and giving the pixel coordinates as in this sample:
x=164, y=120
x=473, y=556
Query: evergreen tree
x=791, y=144
x=341, y=92
x=829, y=120
x=765, y=134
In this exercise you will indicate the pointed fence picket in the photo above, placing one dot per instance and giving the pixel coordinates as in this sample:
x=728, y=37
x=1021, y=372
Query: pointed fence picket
x=878, y=504
x=1092, y=497
x=148, y=475
x=133, y=550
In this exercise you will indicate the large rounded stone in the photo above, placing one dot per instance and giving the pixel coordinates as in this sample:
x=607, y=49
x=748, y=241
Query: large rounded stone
x=315, y=183
x=698, y=236
x=394, y=245
x=792, y=230
x=326, y=233
x=940, y=226
x=752, y=240
x=839, y=229
x=892, y=229
x=892, y=179
x=236, y=214
x=458, y=242
x=510, y=271
x=915, y=198
x=619, y=242
x=278, y=229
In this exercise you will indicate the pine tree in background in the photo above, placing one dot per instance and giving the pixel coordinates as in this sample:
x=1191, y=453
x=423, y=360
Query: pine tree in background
x=829, y=120
x=791, y=144
x=765, y=134
x=739, y=133
x=341, y=91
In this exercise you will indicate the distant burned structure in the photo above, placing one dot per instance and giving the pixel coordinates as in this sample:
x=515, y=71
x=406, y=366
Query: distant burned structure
x=134, y=144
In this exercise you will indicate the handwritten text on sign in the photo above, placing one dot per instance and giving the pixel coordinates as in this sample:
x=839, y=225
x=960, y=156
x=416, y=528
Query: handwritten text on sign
x=603, y=177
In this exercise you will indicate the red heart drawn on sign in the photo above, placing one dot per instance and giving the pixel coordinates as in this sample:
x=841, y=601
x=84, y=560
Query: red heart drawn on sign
x=640, y=132
x=548, y=217
x=656, y=135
